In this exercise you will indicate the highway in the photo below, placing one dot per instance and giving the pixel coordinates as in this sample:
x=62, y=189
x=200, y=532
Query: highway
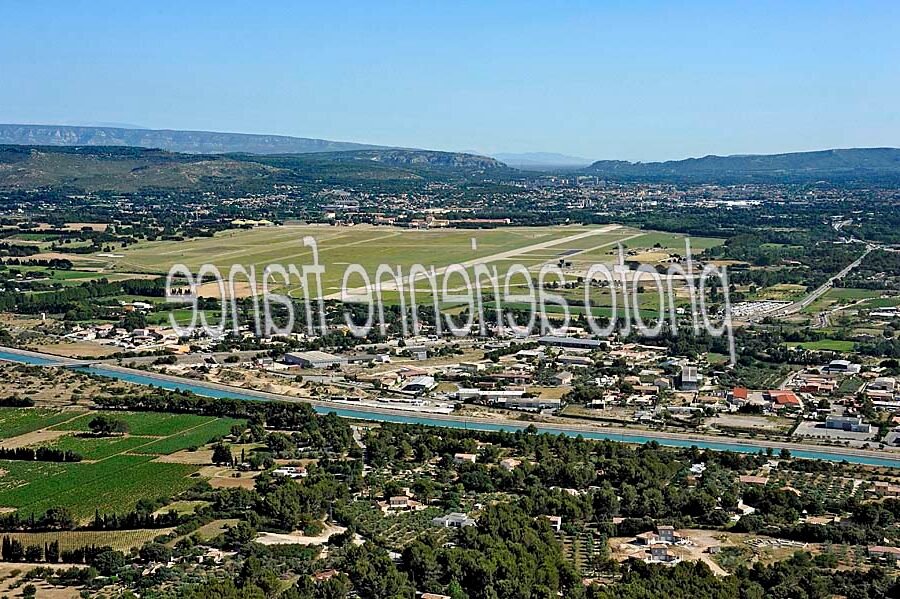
x=815, y=294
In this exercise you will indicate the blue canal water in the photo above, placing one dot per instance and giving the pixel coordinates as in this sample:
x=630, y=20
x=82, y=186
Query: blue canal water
x=209, y=391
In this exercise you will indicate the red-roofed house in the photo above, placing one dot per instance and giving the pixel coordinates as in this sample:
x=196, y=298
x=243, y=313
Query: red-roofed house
x=784, y=399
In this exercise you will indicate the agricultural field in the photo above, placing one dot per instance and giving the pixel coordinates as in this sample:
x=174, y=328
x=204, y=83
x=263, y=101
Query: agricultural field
x=584, y=549
x=151, y=424
x=115, y=472
x=121, y=540
x=192, y=437
x=822, y=487
x=396, y=530
x=19, y=421
x=111, y=485
x=93, y=449
x=842, y=296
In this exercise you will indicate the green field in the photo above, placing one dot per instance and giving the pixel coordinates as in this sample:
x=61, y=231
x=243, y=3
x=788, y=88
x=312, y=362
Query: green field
x=116, y=472
x=18, y=421
x=112, y=485
x=826, y=345
x=148, y=433
x=122, y=540
x=371, y=246
x=148, y=424
x=193, y=437
x=91, y=448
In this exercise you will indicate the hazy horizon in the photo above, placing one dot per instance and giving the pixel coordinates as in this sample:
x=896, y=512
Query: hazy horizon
x=643, y=81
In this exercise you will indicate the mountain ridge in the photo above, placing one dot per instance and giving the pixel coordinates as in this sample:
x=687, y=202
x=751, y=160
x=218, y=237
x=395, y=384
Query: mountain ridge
x=173, y=140
x=830, y=163
x=128, y=168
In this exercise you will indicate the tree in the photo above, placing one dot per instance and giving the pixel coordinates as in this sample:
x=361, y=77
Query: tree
x=109, y=562
x=104, y=425
x=155, y=552
x=221, y=454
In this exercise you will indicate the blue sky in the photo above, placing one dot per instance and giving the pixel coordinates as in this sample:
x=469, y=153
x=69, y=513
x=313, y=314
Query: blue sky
x=605, y=80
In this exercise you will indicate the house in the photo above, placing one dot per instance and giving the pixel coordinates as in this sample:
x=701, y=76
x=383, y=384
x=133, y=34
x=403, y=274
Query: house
x=290, y=471
x=459, y=458
x=555, y=522
x=580, y=361
x=510, y=464
x=666, y=534
x=753, y=480
x=885, y=553
x=408, y=372
x=417, y=353
x=313, y=359
x=563, y=378
x=646, y=538
x=739, y=396
x=784, y=399
x=398, y=502
x=660, y=553
x=434, y=596
x=453, y=520
x=886, y=489
x=690, y=380
x=325, y=575
x=883, y=384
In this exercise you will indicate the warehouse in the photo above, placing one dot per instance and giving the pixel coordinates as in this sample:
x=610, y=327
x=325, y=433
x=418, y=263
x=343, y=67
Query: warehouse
x=314, y=359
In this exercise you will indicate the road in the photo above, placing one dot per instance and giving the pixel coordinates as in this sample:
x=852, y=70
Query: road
x=815, y=294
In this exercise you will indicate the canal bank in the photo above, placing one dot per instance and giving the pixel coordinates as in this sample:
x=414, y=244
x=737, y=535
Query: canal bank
x=836, y=454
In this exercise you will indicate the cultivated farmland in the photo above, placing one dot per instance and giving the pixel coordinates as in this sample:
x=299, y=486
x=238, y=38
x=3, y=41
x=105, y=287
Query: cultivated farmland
x=117, y=471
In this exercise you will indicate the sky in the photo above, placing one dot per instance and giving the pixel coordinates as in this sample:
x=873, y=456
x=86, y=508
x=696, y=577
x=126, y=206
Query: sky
x=625, y=80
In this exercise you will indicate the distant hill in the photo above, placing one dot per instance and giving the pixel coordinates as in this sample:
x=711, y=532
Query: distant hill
x=542, y=160
x=857, y=163
x=127, y=169
x=191, y=142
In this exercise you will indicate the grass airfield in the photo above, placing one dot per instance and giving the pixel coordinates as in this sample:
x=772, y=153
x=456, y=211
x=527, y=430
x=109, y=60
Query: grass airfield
x=371, y=246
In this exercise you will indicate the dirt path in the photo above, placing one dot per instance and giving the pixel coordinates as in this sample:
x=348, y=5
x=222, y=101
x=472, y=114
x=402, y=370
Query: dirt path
x=295, y=538
x=33, y=438
x=38, y=436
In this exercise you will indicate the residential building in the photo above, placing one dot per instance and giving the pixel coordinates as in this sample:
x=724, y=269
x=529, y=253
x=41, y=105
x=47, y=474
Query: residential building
x=690, y=380
x=453, y=520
